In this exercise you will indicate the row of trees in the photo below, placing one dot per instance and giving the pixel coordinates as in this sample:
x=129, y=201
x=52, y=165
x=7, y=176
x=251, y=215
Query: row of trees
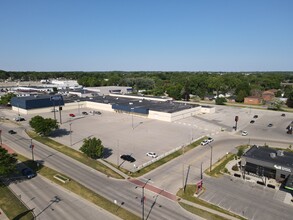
x=178, y=85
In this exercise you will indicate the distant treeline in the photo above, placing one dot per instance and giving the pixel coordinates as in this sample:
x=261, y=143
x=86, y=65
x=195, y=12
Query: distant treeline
x=179, y=85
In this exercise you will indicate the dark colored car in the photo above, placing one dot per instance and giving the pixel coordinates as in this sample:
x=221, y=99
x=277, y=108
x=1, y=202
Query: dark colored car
x=270, y=125
x=12, y=132
x=84, y=113
x=255, y=116
x=19, y=119
x=28, y=173
x=252, y=121
x=283, y=115
x=127, y=158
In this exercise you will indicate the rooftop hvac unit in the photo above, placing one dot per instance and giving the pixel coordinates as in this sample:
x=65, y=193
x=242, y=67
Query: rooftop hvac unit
x=273, y=155
x=280, y=153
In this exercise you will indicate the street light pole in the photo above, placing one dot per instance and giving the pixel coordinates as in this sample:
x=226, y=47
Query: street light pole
x=201, y=170
x=142, y=197
x=32, y=147
x=211, y=161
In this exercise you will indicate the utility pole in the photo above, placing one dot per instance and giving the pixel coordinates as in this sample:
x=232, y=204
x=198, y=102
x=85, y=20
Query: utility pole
x=211, y=161
x=32, y=147
x=143, y=198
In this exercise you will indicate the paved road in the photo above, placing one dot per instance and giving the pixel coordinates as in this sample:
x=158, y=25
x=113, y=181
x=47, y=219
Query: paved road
x=238, y=197
x=156, y=207
x=50, y=201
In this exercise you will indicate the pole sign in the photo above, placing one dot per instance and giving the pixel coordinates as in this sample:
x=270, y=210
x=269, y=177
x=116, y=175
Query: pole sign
x=236, y=118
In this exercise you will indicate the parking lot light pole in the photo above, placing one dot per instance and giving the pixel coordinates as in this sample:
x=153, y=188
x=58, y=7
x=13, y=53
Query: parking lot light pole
x=142, y=197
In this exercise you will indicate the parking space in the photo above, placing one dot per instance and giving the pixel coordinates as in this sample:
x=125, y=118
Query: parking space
x=135, y=135
x=124, y=134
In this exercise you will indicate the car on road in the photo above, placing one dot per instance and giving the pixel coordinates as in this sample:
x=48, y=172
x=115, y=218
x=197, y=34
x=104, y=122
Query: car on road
x=255, y=116
x=151, y=154
x=128, y=158
x=283, y=115
x=210, y=140
x=84, y=113
x=54, y=110
x=204, y=142
x=270, y=125
x=252, y=121
x=28, y=173
x=72, y=115
x=244, y=133
x=12, y=132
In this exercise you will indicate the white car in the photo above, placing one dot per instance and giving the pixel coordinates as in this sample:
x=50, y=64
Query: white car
x=210, y=140
x=152, y=154
x=205, y=142
x=244, y=133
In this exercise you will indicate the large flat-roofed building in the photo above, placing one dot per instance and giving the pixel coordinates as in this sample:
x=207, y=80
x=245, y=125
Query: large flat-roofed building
x=36, y=103
x=268, y=162
x=150, y=107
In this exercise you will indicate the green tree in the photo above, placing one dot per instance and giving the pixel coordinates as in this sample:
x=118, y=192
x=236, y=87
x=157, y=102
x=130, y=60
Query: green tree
x=43, y=126
x=220, y=101
x=289, y=102
x=240, y=152
x=7, y=162
x=240, y=96
x=5, y=99
x=92, y=147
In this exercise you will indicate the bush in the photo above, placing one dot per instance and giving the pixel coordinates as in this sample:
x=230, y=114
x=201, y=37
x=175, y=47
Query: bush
x=220, y=101
x=235, y=168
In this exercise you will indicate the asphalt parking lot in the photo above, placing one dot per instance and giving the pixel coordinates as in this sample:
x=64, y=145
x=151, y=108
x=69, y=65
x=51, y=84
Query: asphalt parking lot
x=134, y=135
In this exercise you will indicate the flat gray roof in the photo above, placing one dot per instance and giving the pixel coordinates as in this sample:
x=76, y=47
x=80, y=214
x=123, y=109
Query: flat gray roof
x=263, y=154
x=161, y=106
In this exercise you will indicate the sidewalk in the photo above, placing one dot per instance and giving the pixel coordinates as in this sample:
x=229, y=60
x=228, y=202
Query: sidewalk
x=125, y=176
x=3, y=216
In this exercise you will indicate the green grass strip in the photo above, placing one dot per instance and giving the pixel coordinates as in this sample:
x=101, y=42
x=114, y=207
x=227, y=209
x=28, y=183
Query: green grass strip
x=202, y=213
x=12, y=206
x=162, y=161
x=219, y=168
x=75, y=155
x=80, y=190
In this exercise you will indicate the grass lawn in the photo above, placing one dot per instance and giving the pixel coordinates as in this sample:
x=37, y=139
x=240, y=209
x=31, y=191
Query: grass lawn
x=202, y=213
x=75, y=155
x=220, y=167
x=12, y=206
x=80, y=190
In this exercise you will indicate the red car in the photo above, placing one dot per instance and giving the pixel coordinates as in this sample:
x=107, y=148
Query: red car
x=72, y=115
